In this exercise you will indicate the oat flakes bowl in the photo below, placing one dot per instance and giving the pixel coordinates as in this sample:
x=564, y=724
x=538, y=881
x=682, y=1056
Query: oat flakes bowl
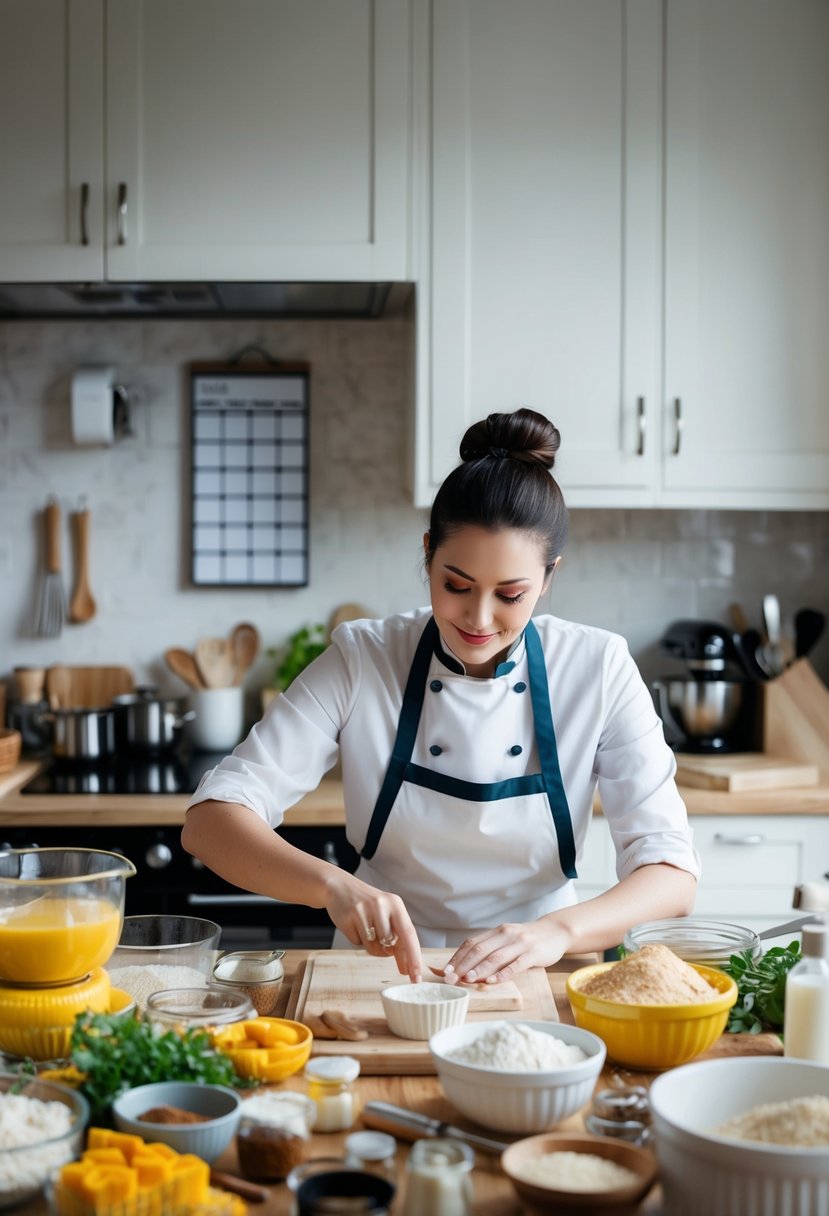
x=653, y=1037
x=521, y=1102
x=703, y=1172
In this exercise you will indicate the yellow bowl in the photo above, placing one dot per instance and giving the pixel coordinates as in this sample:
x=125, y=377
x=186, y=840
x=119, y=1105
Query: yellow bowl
x=652, y=1036
x=43, y=1030
x=265, y=1049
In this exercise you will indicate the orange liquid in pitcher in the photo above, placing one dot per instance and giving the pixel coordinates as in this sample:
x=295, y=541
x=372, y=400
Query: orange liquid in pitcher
x=54, y=940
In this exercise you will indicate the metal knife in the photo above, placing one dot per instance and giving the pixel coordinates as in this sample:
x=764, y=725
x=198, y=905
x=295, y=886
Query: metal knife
x=410, y=1125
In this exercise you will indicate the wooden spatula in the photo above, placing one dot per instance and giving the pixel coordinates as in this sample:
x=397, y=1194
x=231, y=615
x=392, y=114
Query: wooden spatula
x=244, y=642
x=183, y=663
x=215, y=661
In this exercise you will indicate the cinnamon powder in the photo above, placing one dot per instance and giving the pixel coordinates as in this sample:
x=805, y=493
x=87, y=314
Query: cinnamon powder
x=653, y=975
x=171, y=1114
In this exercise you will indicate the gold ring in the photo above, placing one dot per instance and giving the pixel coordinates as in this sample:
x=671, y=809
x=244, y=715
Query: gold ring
x=371, y=934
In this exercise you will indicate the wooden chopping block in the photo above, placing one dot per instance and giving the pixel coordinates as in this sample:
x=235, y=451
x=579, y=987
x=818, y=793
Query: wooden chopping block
x=743, y=771
x=731, y=1045
x=89, y=687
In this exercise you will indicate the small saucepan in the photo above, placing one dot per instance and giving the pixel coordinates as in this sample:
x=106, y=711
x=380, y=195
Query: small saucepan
x=81, y=734
x=147, y=722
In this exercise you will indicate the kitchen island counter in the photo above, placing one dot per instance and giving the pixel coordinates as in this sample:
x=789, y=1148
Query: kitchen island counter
x=323, y=807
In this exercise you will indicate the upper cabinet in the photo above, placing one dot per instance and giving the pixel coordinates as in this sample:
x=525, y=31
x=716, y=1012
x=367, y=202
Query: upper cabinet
x=747, y=253
x=541, y=275
x=51, y=140
x=235, y=139
x=629, y=234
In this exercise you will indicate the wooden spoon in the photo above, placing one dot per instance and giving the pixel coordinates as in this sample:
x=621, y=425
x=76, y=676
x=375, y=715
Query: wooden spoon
x=82, y=606
x=244, y=642
x=58, y=684
x=216, y=662
x=183, y=663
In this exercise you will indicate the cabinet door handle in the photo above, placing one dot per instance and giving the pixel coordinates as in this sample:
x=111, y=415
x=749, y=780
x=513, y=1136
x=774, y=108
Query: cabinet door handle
x=745, y=838
x=640, y=415
x=122, y=213
x=678, y=420
x=84, y=213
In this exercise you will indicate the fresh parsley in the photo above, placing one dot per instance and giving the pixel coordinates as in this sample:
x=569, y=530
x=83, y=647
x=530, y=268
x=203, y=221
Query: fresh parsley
x=115, y=1053
x=761, y=988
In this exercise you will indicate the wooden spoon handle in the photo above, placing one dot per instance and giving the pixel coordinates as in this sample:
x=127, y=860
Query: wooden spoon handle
x=51, y=516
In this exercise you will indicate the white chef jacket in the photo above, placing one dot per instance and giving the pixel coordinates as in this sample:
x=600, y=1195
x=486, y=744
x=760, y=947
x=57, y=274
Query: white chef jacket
x=348, y=702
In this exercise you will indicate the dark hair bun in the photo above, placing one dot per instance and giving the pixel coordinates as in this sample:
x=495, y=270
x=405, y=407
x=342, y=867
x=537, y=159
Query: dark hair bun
x=522, y=435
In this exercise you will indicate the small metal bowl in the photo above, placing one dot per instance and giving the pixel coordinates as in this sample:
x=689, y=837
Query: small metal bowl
x=257, y=974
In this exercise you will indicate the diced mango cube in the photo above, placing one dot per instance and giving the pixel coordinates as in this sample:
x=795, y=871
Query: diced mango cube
x=106, y=1156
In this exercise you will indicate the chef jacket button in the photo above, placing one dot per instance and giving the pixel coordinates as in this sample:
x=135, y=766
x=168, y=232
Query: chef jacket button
x=436, y=686
x=520, y=687
x=516, y=749
x=435, y=750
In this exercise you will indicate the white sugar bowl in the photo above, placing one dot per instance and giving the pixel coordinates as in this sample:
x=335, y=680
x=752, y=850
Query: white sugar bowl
x=416, y=1011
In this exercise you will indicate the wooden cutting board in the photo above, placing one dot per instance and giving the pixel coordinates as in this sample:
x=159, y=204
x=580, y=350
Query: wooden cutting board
x=743, y=771
x=351, y=980
x=88, y=687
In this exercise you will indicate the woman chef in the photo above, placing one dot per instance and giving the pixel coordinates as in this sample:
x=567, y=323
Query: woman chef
x=472, y=740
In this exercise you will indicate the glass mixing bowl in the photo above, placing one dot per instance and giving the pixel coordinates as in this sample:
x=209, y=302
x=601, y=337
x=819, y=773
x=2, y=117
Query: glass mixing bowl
x=61, y=912
x=708, y=942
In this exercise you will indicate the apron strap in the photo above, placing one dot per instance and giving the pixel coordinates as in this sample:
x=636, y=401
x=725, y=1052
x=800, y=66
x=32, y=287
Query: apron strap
x=406, y=735
x=545, y=738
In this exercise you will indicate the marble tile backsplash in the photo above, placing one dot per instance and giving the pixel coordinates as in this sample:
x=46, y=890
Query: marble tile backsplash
x=629, y=571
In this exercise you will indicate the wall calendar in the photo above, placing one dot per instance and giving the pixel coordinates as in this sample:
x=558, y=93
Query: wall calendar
x=249, y=475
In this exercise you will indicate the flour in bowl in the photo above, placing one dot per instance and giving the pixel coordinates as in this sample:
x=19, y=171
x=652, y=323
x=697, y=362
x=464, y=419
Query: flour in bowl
x=514, y=1047
x=424, y=994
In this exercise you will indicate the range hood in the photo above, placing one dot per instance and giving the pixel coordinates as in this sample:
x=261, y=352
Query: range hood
x=320, y=301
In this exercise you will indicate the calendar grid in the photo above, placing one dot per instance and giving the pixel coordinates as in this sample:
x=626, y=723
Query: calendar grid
x=249, y=477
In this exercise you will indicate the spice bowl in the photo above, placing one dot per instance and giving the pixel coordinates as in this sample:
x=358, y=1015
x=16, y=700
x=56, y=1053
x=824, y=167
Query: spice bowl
x=520, y=1162
x=517, y=1100
x=256, y=973
x=652, y=1037
x=417, y=1011
x=206, y=1138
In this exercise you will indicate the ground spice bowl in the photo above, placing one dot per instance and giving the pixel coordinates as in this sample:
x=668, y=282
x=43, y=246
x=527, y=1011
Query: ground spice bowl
x=256, y=973
x=653, y=1037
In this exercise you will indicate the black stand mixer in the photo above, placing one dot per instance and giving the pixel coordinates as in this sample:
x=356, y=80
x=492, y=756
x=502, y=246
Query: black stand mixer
x=712, y=707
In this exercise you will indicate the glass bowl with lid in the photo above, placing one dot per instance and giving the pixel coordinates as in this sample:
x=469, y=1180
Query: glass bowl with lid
x=61, y=912
x=205, y=1008
x=709, y=943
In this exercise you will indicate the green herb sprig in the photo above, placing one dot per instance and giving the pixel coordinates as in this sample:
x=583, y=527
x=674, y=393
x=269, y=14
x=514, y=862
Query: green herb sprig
x=761, y=988
x=118, y=1053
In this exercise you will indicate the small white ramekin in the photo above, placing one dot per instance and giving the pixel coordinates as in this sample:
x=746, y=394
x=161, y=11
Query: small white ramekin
x=418, y=1019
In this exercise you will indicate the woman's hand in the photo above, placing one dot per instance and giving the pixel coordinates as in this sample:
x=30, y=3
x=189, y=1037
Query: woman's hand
x=376, y=920
x=499, y=954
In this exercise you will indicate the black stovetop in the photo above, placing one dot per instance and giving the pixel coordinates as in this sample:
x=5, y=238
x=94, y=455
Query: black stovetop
x=162, y=773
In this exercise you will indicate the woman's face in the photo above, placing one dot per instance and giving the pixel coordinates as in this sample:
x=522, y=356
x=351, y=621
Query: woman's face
x=484, y=586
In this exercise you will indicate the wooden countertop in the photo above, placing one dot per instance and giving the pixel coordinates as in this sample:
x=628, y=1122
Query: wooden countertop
x=323, y=806
x=493, y=1193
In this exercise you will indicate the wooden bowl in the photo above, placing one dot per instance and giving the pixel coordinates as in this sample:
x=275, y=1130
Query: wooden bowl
x=10, y=741
x=542, y=1198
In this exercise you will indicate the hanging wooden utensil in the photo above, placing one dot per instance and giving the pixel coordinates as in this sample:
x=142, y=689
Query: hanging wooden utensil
x=244, y=642
x=183, y=663
x=82, y=606
x=215, y=661
x=51, y=612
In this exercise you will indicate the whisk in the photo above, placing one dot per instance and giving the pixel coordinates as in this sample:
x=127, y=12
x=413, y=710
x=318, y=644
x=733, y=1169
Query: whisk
x=51, y=611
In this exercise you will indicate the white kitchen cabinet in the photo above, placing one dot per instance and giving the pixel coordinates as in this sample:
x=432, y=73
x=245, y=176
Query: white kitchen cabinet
x=51, y=140
x=563, y=271
x=545, y=192
x=747, y=253
x=235, y=139
x=750, y=864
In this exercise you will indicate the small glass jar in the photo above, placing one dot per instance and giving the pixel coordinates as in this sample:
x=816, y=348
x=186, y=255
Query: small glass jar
x=329, y=1080
x=374, y=1152
x=438, y=1179
x=183, y=1009
x=707, y=942
x=273, y=1134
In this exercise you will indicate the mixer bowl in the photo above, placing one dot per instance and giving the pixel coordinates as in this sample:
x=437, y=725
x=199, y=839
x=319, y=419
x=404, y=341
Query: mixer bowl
x=700, y=709
x=61, y=912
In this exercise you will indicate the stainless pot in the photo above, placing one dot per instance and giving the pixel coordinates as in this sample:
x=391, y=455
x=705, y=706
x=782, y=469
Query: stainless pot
x=146, y=722
x=82, y=734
